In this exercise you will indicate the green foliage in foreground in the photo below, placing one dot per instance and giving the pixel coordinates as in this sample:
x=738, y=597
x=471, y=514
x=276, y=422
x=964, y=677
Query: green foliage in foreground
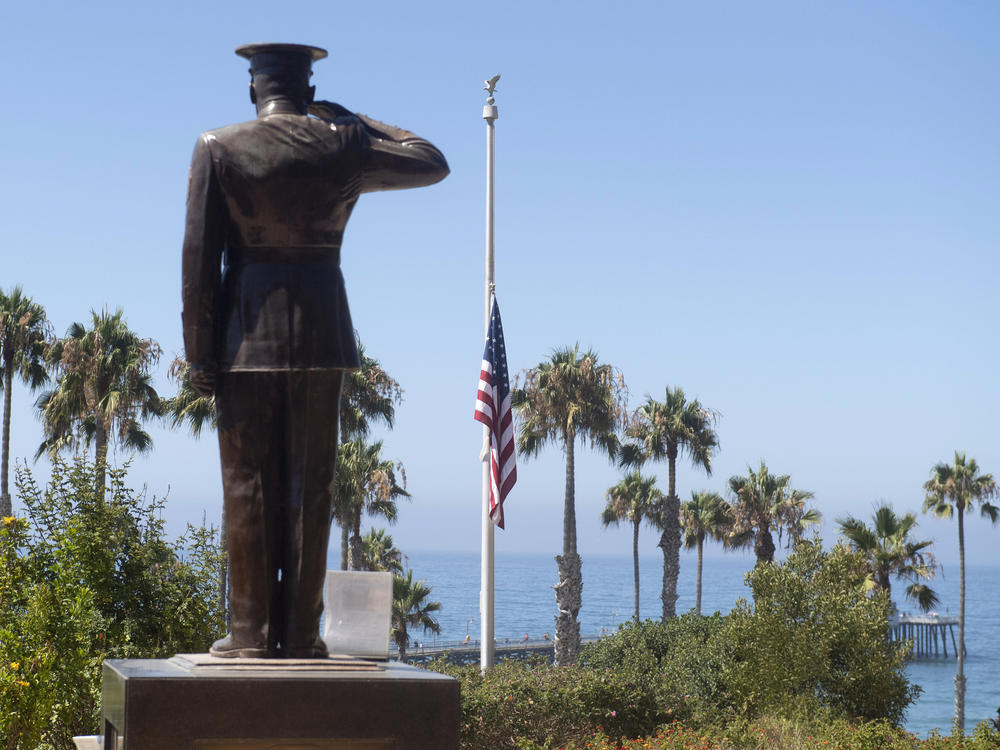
x=811, y=650
x=85, y=578
x=516, y=702
x=772, y=733
x=814, y=641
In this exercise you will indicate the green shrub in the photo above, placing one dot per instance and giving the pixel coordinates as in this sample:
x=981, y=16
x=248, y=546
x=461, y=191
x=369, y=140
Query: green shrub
x=986, y=736
x=870, y=735
x=47, y=632
x=811, y=644
x=550, y=706
x=157, y=597
x=814, y=640
x=85, y=578
x=809, y=654
x=779, y=733
x=680, y=661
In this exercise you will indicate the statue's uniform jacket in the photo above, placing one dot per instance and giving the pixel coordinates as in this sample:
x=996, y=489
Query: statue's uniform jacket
x=275, y=194
x=265, y=308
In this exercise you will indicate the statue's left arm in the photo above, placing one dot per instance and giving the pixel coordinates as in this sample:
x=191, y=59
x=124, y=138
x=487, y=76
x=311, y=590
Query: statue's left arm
x=396, y=158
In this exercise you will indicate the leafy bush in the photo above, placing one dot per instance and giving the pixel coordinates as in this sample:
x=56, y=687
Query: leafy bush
x=813, y=639
x=48, y=629
x=85, y=578
x=808, y=655
x=777, y=733
x=812, y=642
x=986, y=735
x=680, y=661
x=515, y=703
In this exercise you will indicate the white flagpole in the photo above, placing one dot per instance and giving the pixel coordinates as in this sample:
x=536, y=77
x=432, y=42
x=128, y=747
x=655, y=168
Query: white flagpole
x=490, y=114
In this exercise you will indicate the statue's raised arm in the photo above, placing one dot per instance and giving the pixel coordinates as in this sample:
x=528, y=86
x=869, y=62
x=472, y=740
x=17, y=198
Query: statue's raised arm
x=396, y=158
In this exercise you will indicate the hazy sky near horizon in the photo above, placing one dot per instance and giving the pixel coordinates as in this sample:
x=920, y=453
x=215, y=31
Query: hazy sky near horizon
x=788, y=209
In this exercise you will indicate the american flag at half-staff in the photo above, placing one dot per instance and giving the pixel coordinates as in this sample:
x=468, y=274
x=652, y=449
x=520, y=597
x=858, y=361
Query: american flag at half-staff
x=493, y=410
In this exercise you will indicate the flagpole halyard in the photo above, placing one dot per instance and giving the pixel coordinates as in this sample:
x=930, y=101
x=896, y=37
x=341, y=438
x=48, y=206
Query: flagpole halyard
x=486, y=651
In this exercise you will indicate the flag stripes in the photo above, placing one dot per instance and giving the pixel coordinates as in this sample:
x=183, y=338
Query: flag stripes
x=493, y=410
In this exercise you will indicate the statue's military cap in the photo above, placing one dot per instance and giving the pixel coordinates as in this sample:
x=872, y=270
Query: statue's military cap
x=268, y=54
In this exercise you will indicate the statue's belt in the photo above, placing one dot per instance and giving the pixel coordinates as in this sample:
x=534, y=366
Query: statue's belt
x=284, y=254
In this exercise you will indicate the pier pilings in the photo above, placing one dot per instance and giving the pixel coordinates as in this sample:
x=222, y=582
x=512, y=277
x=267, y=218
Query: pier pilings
x=930, y=634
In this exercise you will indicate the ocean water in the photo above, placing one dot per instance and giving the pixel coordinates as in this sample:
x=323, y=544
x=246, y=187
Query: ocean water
x=525, y=605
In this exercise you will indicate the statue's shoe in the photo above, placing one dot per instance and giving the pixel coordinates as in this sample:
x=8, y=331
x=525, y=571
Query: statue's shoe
x=230, y=648
x=317, y=650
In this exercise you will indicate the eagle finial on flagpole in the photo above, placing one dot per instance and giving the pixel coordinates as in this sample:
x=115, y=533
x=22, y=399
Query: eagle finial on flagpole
x=491, y=87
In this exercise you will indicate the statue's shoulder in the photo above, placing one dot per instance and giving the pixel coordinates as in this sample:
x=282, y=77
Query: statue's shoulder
x=229, y=132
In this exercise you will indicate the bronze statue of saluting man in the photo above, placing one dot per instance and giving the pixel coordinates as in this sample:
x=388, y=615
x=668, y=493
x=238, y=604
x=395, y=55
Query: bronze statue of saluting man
x=268, y=332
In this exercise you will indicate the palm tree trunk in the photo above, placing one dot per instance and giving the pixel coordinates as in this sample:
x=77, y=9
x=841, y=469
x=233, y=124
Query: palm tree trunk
x=882, y=581
x=635, y=565
x=670, y=539
x=569, y=501
x=672, y=471
x=344, y=440
x=100, y=458
x=670, y=543
x=356, y=548
x=959, y=727
x=344, y=543
x=697, y=595
x=763, y=546
x=224, y=569
x=6, y=507
x=570, y=587
x=401, y=645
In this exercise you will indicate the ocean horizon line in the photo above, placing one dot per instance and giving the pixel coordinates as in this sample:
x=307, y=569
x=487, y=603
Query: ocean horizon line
x=690, y=555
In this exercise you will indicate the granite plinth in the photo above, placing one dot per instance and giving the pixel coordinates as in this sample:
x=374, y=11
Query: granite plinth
x=193, y=702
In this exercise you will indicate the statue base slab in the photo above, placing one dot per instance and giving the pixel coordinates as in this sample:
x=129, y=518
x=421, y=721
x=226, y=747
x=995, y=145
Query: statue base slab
x=200, y=702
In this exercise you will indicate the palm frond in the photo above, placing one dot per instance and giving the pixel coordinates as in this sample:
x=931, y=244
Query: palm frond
x=369, y=395
x=631, y=456
x=633, y=500
x=923, y=595
x=571, y=393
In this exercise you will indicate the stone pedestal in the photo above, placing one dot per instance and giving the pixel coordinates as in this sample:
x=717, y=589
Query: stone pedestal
x=197, y=702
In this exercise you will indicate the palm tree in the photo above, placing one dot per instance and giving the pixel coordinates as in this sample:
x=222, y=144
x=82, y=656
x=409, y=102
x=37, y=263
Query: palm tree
x=764, y=503
x=410, y=609
x=23, y=334
x=570, y=395
x=365, y=484
x=706, y=514
x=634, y=499
x=889, y=552
x=368, y=394
x=955, y=489
x=664, y=430
x=379, y=552
x=190, y=407
x=104, y=388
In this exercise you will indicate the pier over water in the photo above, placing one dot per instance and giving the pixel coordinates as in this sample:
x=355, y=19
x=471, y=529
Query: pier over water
x=467, y=652
x=930, y=633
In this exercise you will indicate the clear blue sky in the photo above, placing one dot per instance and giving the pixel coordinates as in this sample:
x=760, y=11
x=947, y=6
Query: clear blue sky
x=789, y=209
